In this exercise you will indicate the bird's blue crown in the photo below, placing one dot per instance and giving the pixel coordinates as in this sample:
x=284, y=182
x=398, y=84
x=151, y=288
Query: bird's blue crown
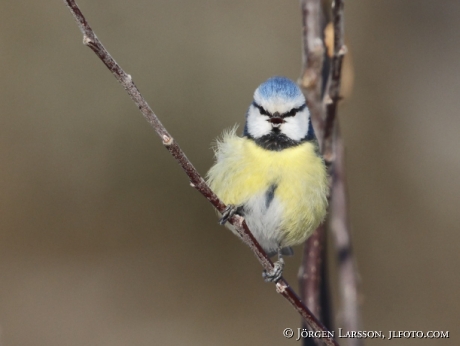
x=280, y=87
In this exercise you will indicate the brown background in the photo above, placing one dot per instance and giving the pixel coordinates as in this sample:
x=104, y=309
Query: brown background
x=102, y=241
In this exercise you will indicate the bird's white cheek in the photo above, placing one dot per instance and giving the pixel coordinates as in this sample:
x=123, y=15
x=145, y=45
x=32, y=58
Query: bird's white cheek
x=258, y=126
x=296, y=127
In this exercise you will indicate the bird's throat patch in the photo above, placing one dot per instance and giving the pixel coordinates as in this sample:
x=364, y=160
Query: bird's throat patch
x=275, y=141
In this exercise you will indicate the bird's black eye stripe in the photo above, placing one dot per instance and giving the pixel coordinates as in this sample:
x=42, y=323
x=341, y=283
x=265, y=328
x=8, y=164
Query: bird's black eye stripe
x=261, y=109
x=291, y=113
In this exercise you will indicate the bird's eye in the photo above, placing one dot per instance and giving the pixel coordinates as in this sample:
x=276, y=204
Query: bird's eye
x=262, y=111
x=293, y=111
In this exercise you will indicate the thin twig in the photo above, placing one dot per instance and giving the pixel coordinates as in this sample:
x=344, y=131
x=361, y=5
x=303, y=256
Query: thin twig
x=282, y=287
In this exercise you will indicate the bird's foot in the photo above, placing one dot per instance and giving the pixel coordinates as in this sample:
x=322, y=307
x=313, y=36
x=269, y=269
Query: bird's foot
x=228, y=213
x=275, y=274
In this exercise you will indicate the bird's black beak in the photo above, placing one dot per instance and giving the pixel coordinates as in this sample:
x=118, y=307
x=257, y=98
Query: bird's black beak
x=276, y=120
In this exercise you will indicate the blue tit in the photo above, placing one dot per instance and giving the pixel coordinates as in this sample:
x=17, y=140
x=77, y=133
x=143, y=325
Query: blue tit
x=273, y=175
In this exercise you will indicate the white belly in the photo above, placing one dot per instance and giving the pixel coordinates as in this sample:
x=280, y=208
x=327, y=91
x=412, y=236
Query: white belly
x=263, y=219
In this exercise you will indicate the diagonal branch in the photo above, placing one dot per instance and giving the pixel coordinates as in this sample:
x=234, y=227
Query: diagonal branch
x=282, y=287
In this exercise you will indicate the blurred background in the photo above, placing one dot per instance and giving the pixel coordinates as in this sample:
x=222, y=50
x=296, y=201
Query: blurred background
x=102, y=240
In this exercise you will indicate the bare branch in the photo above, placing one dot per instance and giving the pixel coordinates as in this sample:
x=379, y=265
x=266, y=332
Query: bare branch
x=311, y=83
x=333, y=152
x=310, y=271
x=336, y=72
x=331, y=146
x=282, y=287
x=313, y=54
x=347, y=272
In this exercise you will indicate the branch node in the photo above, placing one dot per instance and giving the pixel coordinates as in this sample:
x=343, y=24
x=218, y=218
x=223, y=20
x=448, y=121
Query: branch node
x=318, y=46
x=343, y=50
x=167, y=141
x=328, y=157
x=280, y=287
x=87, y=40
x=128, y=78
x=309, y=79
x=192, y=184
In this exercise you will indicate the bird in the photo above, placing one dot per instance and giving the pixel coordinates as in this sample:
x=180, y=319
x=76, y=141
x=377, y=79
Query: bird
x=272, y=174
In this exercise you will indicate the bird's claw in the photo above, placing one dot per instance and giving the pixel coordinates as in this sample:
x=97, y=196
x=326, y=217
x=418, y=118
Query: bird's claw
x=275, y=274
x=228, y=213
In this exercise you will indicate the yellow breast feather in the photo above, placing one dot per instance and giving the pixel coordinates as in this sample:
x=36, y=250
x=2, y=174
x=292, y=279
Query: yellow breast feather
x=243, y=169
